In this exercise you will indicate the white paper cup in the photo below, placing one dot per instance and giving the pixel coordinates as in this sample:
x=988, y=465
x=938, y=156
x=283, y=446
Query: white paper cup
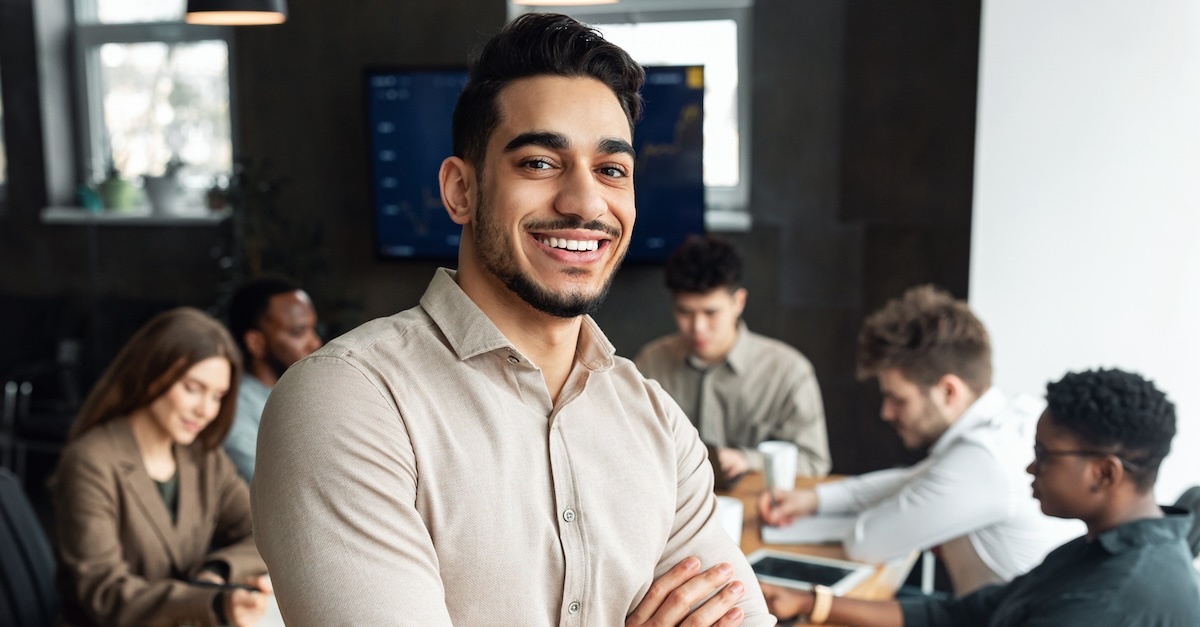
x=729, y=514
x=779, y=464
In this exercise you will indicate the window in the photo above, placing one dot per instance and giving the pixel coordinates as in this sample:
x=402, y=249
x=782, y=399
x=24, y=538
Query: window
x=152, y=89
x=659, y=32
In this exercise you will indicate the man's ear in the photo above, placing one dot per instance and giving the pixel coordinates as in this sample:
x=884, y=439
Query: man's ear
x=739, y=300
x=457, y=180
x=256, y=343
x=1107, y=471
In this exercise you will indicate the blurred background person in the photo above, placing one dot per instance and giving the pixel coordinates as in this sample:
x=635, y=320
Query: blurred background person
x=968, y=499
x=150, y=512
x=274, y=323
x=738, y=388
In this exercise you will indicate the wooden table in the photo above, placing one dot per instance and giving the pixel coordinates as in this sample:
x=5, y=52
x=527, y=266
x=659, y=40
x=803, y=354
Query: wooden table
x=881, y=585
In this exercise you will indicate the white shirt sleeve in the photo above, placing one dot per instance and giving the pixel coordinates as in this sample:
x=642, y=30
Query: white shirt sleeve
x=960, y=491
x=853, y=495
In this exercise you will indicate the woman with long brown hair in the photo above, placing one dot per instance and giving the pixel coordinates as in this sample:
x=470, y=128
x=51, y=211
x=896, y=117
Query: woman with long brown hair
x=152, y=520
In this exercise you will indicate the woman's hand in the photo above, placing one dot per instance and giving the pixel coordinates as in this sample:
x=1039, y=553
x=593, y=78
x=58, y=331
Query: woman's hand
x=244, y=608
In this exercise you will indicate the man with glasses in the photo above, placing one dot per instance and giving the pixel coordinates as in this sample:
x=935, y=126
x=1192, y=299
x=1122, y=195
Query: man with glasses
x=969, y=498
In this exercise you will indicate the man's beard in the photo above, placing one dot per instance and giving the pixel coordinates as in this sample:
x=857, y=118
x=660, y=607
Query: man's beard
x=275, y=364
x=497, y=258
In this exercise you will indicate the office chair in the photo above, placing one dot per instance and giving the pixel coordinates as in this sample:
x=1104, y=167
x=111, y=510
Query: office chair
x=1190, y=500
x=27, y=592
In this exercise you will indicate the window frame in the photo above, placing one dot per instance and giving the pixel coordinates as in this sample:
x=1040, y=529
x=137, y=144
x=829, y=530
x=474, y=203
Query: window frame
x=726, y=208
x=91, y=144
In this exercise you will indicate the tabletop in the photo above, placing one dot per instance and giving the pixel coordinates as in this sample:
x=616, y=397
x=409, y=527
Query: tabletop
x=881, y=585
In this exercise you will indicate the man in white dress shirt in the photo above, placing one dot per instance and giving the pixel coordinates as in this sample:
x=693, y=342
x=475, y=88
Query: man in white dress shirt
x=969, y=499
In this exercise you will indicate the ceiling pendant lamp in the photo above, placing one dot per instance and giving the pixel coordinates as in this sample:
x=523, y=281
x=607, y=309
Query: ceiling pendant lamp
x=236, y=12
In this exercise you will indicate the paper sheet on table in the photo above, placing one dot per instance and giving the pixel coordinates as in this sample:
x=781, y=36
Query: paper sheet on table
x=810, y=530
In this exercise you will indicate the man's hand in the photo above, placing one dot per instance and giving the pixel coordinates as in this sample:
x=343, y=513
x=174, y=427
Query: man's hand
x=779, y=507
x=786, y=603
x=733, y=462
x=671, y=597
x=244, y=608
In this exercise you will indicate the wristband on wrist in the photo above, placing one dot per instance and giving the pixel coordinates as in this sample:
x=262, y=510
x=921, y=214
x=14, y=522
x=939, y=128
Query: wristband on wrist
x=822, y=604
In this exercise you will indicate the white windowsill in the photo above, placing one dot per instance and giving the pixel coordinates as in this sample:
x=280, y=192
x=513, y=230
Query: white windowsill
x=130, y=217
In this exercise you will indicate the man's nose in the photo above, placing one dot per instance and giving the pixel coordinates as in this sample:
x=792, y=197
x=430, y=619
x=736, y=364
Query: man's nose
x=581, y=194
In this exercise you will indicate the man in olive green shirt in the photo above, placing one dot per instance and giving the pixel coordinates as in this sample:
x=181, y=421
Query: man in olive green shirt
x=738, y=387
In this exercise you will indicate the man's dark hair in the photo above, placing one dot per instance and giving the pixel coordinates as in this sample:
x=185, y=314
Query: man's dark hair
x=538, y=44
x=703, y=263
x=1113, y=410
x=926, y=334
x=250, y=302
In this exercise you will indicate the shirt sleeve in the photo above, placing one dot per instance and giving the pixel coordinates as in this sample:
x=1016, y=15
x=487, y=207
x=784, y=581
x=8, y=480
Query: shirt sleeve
x=855, y=494
x=800, y=418
x=696, y=530
x=91, y=554
x=944, y=500
x=974, y=609
x=234, y=531
x=334, y=504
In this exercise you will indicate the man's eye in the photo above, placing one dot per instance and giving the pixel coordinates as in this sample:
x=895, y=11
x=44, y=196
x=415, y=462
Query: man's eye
x=537, y=164
x=612, y=171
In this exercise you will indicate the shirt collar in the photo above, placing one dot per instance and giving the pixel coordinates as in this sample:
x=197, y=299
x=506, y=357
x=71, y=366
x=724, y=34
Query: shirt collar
x=1172, y=527
x=251, y=383
x=470, y=332
x=981, y=411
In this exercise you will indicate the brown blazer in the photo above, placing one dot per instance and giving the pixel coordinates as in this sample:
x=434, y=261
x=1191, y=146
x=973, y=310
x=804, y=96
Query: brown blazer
x=121, y=560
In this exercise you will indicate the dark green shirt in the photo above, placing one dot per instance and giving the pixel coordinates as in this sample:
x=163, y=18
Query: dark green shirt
x=1137, y=574
x=169, y=491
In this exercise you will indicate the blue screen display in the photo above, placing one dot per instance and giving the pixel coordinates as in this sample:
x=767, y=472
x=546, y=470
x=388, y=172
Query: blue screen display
x=409, y=114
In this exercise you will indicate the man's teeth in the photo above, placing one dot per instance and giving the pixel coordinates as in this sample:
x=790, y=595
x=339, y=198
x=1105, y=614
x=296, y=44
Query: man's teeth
x=571, y=244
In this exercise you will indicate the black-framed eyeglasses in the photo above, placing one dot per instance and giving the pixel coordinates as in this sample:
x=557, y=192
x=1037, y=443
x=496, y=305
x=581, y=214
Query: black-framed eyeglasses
x=1041, y=454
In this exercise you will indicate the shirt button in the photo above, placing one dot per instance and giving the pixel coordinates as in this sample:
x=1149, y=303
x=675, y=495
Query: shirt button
x=513, y=360
x=573, y=607
x=569, y=516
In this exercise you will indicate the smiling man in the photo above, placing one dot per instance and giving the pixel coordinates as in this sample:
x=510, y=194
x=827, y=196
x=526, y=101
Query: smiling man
x=969, y=498
x=467, y=461
x=739, y=388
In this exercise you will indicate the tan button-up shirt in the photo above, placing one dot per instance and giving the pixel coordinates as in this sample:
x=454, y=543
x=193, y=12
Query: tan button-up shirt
x=763, y=390
x=415, y=471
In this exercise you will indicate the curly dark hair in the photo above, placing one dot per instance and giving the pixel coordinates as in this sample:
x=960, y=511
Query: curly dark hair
x=1118, y=411
x=926, y=334
x=538, y=44
x=703, y=263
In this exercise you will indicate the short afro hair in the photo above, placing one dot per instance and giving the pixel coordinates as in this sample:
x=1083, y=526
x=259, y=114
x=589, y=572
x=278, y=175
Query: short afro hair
x=703, y=263
x=1118, y=411
x=250, y=303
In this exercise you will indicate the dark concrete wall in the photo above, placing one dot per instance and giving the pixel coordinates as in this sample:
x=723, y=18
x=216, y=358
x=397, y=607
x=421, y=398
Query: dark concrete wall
x=862, y=140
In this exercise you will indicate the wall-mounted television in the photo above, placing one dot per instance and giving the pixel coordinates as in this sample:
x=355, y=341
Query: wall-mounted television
x=409, y=111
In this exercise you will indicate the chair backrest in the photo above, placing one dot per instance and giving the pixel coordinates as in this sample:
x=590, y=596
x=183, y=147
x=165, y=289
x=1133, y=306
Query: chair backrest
x=1190, y=500
x=27, y=592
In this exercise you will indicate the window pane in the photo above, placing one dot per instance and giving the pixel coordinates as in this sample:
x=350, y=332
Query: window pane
x=122, y=11
x=713, y=44
x=167, y=100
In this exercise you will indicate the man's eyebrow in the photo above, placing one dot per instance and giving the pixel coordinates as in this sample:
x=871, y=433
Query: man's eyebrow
x=545, y=139
x=615, y=146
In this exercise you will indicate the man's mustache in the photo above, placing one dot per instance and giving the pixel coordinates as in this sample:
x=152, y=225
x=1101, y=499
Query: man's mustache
x=574, y=224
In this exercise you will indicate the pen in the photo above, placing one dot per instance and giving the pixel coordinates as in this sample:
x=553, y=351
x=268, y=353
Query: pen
x=223, y=586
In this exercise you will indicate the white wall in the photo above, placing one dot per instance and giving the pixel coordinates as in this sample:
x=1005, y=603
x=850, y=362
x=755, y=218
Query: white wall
x=1086, y=236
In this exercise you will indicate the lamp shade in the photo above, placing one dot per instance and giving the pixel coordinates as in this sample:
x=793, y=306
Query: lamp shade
x=236, y=12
